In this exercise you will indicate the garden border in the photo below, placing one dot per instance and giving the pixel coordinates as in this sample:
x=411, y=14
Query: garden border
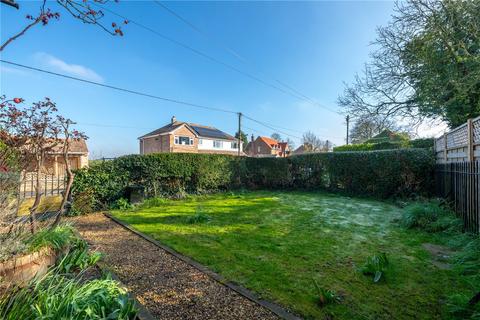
x=273, y=307
x=143, y=313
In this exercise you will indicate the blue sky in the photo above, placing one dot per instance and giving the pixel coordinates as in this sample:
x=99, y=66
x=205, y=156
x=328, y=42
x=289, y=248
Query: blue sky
x=312, y=46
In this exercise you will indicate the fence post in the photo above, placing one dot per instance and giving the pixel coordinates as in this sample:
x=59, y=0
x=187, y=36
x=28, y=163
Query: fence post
x=445, y=151
x=470, y=139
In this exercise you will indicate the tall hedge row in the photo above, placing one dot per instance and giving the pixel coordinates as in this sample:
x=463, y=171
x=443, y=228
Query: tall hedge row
x=376, y=173
x=384, y=145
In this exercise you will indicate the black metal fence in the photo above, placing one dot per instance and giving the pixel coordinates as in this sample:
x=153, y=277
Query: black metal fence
x=50, y=184
x=459, y=183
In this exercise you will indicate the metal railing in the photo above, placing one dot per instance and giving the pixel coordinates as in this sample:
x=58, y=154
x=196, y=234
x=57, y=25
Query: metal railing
x=50, y=185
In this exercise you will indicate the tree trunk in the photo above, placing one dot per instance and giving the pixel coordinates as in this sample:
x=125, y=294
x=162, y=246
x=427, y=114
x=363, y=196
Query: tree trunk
x=68, y=187
x=38, y=196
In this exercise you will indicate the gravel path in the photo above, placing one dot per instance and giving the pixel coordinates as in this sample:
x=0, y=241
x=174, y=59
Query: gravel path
x=168, y=287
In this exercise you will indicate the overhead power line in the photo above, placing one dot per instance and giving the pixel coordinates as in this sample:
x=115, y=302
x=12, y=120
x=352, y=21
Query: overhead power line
x=198, y=30
x=215, y=60
x=148, y=95
x=119, y=88
x=240, y=57
x=271, y=127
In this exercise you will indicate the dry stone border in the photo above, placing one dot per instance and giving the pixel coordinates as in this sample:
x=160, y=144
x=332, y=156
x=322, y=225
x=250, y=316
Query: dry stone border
x=168, y=284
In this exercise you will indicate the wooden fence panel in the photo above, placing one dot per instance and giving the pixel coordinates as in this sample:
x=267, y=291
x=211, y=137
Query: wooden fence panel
x=457, y=156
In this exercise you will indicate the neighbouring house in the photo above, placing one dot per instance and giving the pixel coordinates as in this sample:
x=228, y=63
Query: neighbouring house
x=54, y=163
x=178, y=136
x=304, y=148
x=267, y=147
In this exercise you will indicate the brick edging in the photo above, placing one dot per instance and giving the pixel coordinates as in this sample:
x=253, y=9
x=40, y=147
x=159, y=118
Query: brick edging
x=273, y=307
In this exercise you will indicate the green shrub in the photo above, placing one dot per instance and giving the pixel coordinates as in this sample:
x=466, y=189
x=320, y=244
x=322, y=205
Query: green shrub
x=458, y=306
x=429, y=216
x=269, y=173
x=375, y=265
x=64, y=292
x=98, y=186
x=423, y=143
x=121, y=204
x=57, y=239
x=382, y=174
x=467, y=261
x=56, y=296
x=77, y=257
x=355, y=147
x=83, y=202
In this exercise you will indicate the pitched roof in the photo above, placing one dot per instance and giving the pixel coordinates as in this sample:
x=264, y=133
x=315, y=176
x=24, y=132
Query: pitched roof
x=168, y=128
x=76, y=146
x=304, y=148
x=271, y=142
x=210, y=132
x=200, y=130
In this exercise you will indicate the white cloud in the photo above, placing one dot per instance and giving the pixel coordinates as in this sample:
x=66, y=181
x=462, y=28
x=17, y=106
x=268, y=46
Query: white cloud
x=72, y=69
x=5, y=70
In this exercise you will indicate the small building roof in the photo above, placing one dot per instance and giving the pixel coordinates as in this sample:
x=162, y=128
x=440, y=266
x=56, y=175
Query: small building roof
x=76, y=146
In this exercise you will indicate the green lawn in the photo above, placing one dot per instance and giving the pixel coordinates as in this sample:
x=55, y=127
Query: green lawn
x=277, y=243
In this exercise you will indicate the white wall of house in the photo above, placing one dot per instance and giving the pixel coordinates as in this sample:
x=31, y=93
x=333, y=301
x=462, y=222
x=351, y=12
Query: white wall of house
x=216, y=144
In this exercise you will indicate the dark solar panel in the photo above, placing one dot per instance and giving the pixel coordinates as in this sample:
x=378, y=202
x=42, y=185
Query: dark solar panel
x=211, y=133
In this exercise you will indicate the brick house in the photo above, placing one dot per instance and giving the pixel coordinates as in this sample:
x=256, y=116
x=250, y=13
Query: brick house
x=178, y=136
x=267, y=147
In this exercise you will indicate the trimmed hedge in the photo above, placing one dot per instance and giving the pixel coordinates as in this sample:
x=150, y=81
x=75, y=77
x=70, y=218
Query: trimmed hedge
x=163, y=174
x=382, y=174
x=386, y=145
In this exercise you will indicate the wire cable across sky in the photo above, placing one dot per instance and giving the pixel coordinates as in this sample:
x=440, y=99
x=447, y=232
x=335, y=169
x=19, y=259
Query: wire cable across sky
x=289, y=91
x=152, y=96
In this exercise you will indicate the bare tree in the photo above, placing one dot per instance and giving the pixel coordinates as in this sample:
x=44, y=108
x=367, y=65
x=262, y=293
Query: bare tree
x=291, y=143
x=367, y=127
x=276, y=136
x=426, y=65
x=79, y=9
x=312, y=143
x=68, y=136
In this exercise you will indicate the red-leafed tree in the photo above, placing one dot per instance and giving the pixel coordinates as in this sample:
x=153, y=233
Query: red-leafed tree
x=28, y=135
x=79, y=9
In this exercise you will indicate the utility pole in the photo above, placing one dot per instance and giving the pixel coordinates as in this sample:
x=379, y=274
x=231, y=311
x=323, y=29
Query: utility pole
x=348, y=124
x=239, y=132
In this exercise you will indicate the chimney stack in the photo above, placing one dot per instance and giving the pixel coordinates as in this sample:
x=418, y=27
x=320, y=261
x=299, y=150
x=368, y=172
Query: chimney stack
x=174, y=119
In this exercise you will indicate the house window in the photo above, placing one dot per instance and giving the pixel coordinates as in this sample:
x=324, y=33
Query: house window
x=200, y=141
x=186, y=141
x=258, y=149
x=217, y=144
x=234, y=145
